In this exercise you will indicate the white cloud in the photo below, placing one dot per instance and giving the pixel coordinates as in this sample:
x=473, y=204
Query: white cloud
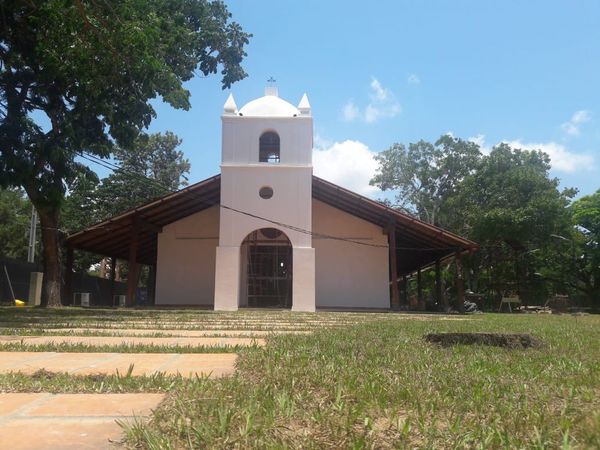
x=350, y=111
x=413, y=79
x=578, y=118
x=350, y=164
x=378, y=92
x=382, y=104
x=321, y=142
x=372, y=114
x=561, y=159
x=480, y=140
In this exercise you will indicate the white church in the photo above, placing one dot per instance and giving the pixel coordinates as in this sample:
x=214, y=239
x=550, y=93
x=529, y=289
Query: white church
x=267, y=233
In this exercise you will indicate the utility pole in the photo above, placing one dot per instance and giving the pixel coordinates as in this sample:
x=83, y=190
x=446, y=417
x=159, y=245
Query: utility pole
x=32, y=230
x=35, y=278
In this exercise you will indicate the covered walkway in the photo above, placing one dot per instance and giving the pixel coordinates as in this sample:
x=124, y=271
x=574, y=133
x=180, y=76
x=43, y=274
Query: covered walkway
x=413, y=244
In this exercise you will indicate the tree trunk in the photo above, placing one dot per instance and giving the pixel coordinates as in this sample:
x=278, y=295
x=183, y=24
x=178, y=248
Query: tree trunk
x=51, y=257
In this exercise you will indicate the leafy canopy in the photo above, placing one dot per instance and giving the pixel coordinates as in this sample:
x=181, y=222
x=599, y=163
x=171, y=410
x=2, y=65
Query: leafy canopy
x=511, y=197
x=15, y=216
x=426, y=175
x=78, y=75
x=151, y=168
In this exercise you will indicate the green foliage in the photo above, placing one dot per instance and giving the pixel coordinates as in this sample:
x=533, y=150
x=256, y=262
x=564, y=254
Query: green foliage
x=79, y=76
x=586, y=214
x=425, y=175
x=15, y=217
x=510, y=197
x=80, y=207
x=506, y=201
x=152, y=167
x=586, y=246
x=152, y=157
x=91, y=69
x=512, y=207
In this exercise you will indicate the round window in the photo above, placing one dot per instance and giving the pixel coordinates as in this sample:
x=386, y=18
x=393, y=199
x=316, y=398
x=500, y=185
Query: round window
x=265, y=192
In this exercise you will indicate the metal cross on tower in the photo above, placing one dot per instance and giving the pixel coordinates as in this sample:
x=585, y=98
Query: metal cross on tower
x=271, y=81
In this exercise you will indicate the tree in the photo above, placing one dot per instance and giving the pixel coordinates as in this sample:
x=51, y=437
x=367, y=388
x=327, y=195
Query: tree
x=506, y=201
x=79, y=76
x=586, y=246
x=15, y=217
x=80, y=210
x=151, y=168
x=512, y=207
x=426, y=175
x=511, y=197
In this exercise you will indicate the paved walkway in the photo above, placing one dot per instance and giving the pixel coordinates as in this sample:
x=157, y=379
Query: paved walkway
x=135, y=340
x=68, y=421
x=186, y=364
x=171, y=332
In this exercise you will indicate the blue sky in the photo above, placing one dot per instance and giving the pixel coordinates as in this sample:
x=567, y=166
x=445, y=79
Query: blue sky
x=527, y=72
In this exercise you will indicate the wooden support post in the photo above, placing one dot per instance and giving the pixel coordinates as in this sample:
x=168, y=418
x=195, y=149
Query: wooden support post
x=132, y=276
x=440, y=298
x=103, y=268
x=460, y=285
x=420, y=299
x=395, y=300
x=152, y=284
x=68, y=295
x=405, y=291
x=113, y=272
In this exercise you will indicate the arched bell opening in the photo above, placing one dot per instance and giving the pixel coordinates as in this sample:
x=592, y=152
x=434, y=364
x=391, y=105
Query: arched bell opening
x=268, y=148
x=266, y=269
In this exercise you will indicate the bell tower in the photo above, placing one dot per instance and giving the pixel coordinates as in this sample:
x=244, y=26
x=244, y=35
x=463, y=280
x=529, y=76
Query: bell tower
x=266, y=184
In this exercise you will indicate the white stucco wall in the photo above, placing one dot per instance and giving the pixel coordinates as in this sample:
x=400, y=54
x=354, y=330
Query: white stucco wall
x=349, y=275
x=242, y=176
x=240, y=137
x=185, y=271
x=346, y=275
x=290, y=204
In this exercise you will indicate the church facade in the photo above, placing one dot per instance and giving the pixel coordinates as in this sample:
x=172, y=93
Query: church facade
x=266, y=232
x=258, y=247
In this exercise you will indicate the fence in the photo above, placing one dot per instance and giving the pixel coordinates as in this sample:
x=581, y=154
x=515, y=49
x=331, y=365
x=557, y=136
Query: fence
x=19, y=273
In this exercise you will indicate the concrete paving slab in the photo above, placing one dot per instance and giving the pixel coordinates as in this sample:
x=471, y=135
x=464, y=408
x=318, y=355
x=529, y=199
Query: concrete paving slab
x=187, y=364
x=143, y=364
x=96, y=405
x=137, y=340
x=221, y=364
x=69, y=421
x=171, y=332
x=56, y=434
x=10, y=359
x=9, y=403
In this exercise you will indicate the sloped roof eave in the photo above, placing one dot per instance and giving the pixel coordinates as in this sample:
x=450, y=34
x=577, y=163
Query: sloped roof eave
x=111, y=237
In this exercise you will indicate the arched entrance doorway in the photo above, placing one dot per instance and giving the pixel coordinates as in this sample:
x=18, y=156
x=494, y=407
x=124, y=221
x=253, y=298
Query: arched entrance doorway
x=266, y=270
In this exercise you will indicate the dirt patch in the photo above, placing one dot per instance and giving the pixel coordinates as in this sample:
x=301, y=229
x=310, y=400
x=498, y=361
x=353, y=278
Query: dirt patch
x=508, y=340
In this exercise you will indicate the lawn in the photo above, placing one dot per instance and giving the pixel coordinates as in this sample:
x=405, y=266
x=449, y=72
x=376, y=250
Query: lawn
x=359, y=381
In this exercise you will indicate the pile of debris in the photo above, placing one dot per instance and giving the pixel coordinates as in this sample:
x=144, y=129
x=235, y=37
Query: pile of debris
x=508, y=340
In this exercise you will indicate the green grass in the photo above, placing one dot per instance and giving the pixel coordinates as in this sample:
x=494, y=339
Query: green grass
x=358, y=381
x=119, y=348
x=379, y=385
x=43, y=381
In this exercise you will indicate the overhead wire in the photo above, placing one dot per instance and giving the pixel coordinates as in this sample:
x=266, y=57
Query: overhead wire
x=116, y=168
